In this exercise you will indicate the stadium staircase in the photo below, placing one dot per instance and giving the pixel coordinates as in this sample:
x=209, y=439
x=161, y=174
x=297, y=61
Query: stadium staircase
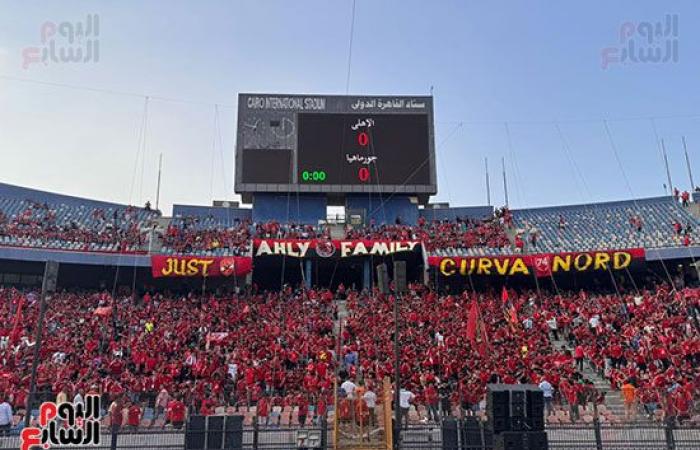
x=337, y=231
x=342, y=315
x=161, y=226
x=613, y=398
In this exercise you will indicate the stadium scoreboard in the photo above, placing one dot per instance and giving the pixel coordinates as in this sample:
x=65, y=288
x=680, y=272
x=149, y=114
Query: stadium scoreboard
x=335, y=144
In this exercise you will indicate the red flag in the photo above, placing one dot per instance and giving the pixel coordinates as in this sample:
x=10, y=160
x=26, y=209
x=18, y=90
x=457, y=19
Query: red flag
x=14, y=335
x=485, y=346
x=103, y=311
x=504, y=295
x=472, y=321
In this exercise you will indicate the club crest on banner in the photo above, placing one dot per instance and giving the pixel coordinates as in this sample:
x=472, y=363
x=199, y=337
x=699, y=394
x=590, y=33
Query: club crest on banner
x=325, y=249
x=227, y=266
x=543, y=264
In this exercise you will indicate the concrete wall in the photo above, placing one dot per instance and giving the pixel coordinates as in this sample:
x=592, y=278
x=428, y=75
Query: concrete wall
x=474, y=212
x=222, y=215
x=306, y=209
x=384, y=209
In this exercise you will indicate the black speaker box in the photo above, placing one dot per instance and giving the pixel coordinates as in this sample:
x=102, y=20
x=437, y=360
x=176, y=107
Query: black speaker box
x=233, y=437
x=50, y=276
x=517, y=424
x=194, y=433
x=215, y=432
x=450, y=428
x=517, y=403
x=510, y=441
x=383, y=279
x=535, y=423
x=537, y=440
x=497, y=402
x=499, y=424
x=400, y=276
x=535, y=403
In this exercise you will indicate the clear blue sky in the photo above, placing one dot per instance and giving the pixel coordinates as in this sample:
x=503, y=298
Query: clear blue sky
x=528, y=63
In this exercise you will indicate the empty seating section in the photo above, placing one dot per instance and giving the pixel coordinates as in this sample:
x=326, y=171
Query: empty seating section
x=647, y=223
x=27, y=223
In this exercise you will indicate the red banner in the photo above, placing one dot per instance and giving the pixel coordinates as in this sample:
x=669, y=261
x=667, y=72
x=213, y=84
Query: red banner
x=541, y=264
x=326, y=248
x=197, y=266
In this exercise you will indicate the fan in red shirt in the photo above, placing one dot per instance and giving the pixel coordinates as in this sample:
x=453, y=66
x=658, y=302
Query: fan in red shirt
x=134, y=416
x=177, y=412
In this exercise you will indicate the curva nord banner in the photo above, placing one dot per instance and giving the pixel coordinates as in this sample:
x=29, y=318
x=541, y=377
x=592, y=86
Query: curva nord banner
x=196, y=266
x=541, y=264
x=323, y=248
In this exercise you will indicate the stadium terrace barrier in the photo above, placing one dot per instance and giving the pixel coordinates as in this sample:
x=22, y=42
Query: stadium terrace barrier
x=191, y=266
x=540, y=264
x=312, y=248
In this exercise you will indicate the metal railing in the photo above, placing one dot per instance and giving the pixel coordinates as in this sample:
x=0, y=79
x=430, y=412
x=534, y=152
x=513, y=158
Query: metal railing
x=593, y=436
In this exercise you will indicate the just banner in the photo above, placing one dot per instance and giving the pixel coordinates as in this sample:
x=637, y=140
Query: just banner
x=196, y=266
x=541, y=264
x=322, y=248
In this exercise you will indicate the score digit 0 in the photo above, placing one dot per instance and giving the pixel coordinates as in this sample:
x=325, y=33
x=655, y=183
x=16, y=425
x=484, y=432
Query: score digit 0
x=363, y=174
x=363, y=139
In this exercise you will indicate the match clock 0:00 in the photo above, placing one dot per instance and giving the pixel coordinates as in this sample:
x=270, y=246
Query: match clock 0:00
x=313, y=176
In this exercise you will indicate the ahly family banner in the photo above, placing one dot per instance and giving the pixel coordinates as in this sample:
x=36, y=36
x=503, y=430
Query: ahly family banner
x=194, y=266
x=324, y=248
x=542, y=264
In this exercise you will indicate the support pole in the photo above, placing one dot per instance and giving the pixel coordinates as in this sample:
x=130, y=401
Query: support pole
x=505, y=180
x=668, y=171
x=687, y=163
x=488, y=183
x=48, y=286
x=160, y=168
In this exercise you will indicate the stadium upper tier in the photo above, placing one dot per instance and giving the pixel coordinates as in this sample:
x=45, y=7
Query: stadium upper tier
x=42, y=220
x=27, y=223
x=645, y=223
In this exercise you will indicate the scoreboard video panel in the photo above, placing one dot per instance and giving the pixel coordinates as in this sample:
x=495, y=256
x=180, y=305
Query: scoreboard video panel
x=363, y=149
x=335, y=144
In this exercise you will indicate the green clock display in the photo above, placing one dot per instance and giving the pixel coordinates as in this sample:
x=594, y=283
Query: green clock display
x=314, y=176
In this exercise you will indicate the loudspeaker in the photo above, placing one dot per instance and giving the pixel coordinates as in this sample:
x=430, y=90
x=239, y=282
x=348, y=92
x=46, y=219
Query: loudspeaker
x=535, y=403
x=215, y=432
x=194, y=433
x=400, y=276
x=449, y=434
x=50, y=277
x=383, y=279
x=510, y=440
x=537, y=440
x=517, y=403
x=535, y=423
x=497, y=401
x=499, y=424
x=233, y=438
x=517, y=423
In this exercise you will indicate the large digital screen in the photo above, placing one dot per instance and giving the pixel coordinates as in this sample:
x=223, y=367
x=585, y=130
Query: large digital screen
x=335, y=144
x=364, y=149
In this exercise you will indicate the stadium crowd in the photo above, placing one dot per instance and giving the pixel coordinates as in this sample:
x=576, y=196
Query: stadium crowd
x=40, y=225
x=202, y=354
